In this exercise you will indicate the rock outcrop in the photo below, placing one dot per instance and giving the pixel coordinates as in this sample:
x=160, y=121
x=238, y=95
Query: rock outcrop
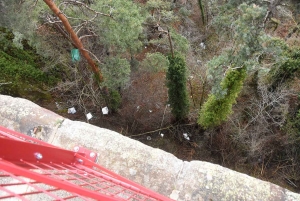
x=153, y=168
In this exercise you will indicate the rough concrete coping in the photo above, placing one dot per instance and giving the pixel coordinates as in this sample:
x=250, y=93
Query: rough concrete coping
x=153, y=168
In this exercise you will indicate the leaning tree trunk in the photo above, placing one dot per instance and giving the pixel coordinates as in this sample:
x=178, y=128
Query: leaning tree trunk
x=75, y=38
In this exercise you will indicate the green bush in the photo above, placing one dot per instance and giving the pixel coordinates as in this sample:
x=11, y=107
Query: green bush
x=216, y=110
x=176, y=83
x=114, y=100
x=285, y=71
x=155, y=62
x=20, y=65
x=12, y=67
x=25, y=53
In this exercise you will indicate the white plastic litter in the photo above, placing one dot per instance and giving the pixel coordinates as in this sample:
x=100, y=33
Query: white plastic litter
x=105, y=110
x=175, y=195
x=72, y=110
x=59, y=105
x=150, y=111
x=89, y=116
x=162, y=135
x=186, y=136
x=202, y=45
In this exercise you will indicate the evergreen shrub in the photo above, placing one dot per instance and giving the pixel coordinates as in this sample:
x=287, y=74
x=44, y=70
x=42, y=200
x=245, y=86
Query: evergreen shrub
x=216, y=110
x=176, y=83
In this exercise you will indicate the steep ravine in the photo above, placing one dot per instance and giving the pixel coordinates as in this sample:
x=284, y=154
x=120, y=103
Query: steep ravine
x=153, y=168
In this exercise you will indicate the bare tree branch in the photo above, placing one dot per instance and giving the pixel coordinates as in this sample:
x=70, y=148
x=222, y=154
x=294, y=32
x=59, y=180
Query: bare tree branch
x=74, y=38
x=5, y=83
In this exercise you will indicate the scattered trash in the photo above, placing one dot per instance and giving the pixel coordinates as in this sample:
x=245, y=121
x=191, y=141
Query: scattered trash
x=175, y=195
x=162, y=135
x=138, y=107
x=148, y=138
x=89, y=116
x=37, y=132
x=105, y=110
x=71, y=110
x=168, y=105
x=202, y=45
x=75, y=55
x=150, y=111
x=186, y=136
x=58, y=106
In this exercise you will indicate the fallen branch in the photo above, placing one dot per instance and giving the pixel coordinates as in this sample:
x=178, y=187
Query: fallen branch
x=140, y=134
x=5, y=83
x=150, y=132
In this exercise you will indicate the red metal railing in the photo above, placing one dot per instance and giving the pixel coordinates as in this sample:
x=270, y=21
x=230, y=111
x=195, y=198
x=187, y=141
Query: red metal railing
x=34, y=170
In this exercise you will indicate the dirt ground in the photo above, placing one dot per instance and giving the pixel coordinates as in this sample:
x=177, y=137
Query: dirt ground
x=170, y=138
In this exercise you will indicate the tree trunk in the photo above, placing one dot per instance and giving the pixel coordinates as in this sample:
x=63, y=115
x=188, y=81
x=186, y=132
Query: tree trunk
x=170, y=41
x=75, y=38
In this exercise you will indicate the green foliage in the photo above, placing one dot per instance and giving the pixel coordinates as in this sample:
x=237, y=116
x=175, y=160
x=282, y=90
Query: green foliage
x=114, y=101
x=180, y=43
x=155, y=62
x=160, y=12
x=244, y=27
x=134, y=64
x=122, y=31
x=184, y=12
x=286, y=70
x=20, y=63
x=158, y=5
x=176, y=83
x=292, y=129
x=14, y=67
x=215, y=73
x=7, y=45
x=23, y=18
x=216, y=110
x=292, y=125
x=116, y=72
x=20, y=69
x=201, y=6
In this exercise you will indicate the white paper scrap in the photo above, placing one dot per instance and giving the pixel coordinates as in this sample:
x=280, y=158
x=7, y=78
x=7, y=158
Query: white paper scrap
x=185, y=135
x=89, y=116
x=105, y=110
x=72, y=110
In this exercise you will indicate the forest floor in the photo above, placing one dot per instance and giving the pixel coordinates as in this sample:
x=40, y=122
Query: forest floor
x=200, y=146
x=169, y=139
